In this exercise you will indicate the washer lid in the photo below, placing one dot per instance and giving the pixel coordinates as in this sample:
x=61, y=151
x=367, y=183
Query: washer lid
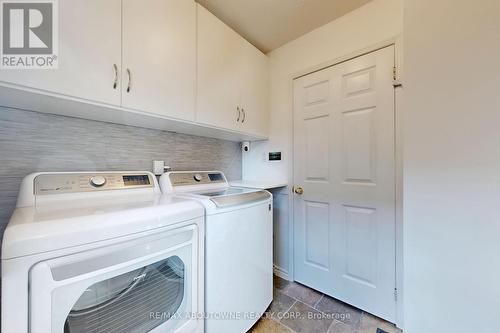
x=225, y=192
x=33, y=230
x=234, y=196
x=240, y=199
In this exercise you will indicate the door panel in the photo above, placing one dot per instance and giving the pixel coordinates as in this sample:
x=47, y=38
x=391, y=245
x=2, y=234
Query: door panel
x=317, y=228
x=358, y=146
x=316, y=149
x=89, y=46
x=360, y=241
x=159, y=49
x=344, y=160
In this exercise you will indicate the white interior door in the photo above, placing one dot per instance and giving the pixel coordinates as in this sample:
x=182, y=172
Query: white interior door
x=345, y=162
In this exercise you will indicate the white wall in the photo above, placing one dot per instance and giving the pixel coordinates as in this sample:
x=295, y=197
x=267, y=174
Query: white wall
x=375, y=22
x=452, y=165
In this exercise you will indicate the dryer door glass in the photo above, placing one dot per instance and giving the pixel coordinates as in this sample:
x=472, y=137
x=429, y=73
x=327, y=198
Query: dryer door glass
x=125, y=303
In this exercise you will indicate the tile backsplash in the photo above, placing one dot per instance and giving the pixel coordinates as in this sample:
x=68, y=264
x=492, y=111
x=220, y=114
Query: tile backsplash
x=32, y=141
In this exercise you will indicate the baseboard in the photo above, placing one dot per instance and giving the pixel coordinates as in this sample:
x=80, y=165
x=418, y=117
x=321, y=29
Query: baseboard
x=278, y=271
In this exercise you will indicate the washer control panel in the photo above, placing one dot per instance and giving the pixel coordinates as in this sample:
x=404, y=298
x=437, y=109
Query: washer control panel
x=196, y=178
x=86, y=182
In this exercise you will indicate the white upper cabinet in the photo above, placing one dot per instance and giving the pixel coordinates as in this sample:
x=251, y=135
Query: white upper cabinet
x=159, y=57
x=89, y=54
x=254, y=87
x=164, y=64
x=232, y=78
x=219, y=50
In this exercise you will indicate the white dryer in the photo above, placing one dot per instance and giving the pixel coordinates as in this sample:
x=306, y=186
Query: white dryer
x=238, y=248
x=102, y=252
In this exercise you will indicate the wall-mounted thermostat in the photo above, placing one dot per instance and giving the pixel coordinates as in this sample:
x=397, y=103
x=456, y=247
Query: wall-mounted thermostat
x=274, y=156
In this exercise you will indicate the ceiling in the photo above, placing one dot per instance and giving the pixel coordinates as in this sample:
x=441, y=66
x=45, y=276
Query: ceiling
x=269, y=24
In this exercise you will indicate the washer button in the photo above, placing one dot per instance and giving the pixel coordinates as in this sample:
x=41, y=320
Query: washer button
x=198, y=177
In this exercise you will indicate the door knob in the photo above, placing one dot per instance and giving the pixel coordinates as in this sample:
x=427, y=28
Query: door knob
x=298, y=190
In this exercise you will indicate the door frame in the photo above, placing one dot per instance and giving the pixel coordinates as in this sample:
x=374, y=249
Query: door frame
x=398, y=154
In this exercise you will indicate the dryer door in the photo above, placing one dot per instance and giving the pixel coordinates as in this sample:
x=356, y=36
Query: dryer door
x=130, y=301
x=148, y=285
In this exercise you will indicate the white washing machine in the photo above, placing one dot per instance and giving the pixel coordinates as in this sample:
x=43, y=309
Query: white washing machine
x=238, y=248
x=102, y=252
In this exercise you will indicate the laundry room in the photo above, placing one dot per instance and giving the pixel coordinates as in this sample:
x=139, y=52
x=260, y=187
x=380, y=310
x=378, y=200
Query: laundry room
x=232, y=166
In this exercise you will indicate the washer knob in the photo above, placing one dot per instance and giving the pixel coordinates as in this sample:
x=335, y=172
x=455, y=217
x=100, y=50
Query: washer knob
x=198, y=177
x=97, y=181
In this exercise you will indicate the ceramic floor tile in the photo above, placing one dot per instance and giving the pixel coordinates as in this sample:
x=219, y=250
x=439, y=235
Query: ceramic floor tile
x=280, y=283
x=281, y=304
x=302, y=293
x=370, y=323
x=312, y=312
x=304, y=319
x=339, y=310
x=339, y=327
x=269, y=326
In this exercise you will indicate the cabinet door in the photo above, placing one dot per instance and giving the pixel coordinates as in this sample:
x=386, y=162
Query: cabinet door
x=89, y=47
x=159, y=57
x=219, y=67
x=254, y=86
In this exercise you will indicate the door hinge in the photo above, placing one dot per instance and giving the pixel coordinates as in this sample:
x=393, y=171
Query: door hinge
x=395, y=82
x=395, y=294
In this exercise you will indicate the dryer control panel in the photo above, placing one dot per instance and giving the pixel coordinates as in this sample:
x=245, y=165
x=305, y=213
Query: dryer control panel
x=49, y=183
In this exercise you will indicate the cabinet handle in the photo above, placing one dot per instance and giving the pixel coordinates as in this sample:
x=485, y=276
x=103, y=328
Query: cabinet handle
x=129, y=74
x=115, y=82
x=239, y=114
x=244, y=115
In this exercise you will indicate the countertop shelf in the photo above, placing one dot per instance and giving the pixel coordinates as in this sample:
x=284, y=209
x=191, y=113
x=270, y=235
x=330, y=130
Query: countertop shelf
x=263, y=185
